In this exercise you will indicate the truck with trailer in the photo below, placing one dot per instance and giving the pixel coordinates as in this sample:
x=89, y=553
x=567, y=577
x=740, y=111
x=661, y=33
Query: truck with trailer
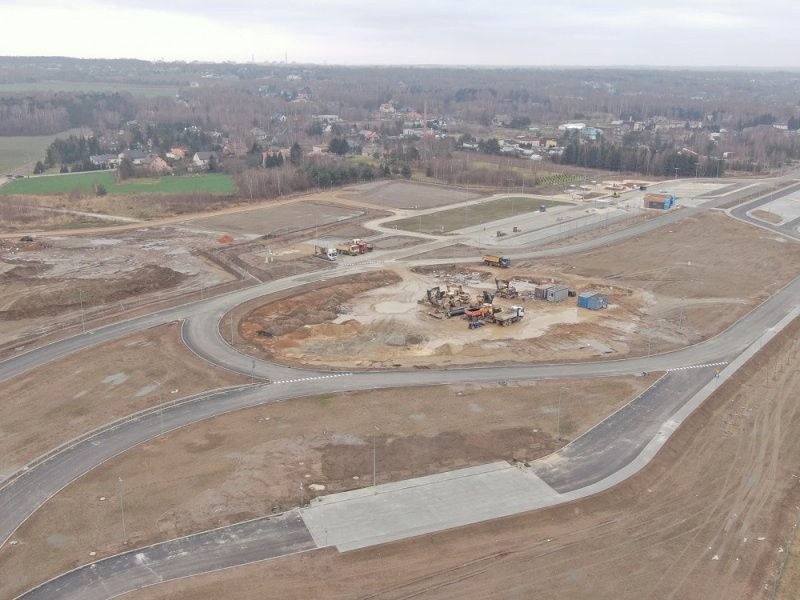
x=497, y=261
x=325, y=253
x=514, y=314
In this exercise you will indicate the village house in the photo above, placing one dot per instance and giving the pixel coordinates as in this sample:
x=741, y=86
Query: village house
x=155, y=165
x=201, y=160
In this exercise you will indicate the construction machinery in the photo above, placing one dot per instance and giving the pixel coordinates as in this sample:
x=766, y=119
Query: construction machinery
x=348, y=249
x=497, y=261
x=505, y=289
x=325, y=253
x=362, y=245
x=514, y=314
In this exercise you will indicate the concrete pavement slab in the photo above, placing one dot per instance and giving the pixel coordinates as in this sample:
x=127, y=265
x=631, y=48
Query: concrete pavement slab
x=395, y=511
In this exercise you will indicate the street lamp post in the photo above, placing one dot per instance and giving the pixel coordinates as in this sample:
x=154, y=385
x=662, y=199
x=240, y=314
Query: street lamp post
x=122, y=513
x=558, y=412
x=83, y=318
x=160, y=404
x=374, y=461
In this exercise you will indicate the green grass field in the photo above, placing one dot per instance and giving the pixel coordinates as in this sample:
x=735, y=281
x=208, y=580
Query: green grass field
x=211, y=183
x=475, y=214
x=17, y=151
x=92, y=86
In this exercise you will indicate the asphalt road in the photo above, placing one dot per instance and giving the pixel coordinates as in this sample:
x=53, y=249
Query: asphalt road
x=614, y=443
x=790, y=229
x=238, y=544
x=26, y=491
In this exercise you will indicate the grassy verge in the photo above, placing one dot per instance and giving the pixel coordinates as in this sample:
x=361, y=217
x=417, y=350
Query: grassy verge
x=211, y=183
x=769, y=217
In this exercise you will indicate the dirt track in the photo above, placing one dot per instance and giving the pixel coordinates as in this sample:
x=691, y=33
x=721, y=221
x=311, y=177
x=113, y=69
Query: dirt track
x=709, y=518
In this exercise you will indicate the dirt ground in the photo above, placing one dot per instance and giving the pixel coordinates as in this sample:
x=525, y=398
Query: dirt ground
x=49, y=282
x=281, y=218
x=709, y=518
x=250, y=463
x=407, y=194
x=679, y=285
x=697, y=276
x=67, y=397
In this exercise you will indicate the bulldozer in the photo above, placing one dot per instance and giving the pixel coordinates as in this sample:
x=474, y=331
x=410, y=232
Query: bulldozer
x=505, y=289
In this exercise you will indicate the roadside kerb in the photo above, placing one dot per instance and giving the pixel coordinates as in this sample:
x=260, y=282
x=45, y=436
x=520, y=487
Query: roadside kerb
x=112, y=425
x=671, y=425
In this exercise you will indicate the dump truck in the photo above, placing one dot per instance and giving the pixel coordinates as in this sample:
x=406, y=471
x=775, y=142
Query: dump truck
x=362, y=245
x=497, y=261
x=326, y=253
x=348, y=249
x=514, y=314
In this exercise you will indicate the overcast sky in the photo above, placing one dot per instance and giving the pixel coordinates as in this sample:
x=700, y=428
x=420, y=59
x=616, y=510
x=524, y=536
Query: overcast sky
x=460, y=32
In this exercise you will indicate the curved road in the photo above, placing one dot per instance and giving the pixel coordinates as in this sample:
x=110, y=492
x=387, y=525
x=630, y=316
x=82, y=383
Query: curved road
x=27, y=490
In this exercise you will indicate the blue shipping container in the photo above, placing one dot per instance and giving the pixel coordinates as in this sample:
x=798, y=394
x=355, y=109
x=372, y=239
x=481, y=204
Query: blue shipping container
x=592, y=300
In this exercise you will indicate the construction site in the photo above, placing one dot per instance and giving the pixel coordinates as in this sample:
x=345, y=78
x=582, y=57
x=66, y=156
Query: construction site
x=410, y=280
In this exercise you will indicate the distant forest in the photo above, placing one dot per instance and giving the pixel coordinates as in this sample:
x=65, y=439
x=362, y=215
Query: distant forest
x=653, y=122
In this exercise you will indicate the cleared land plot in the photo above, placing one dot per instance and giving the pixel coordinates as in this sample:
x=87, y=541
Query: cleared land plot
x=248, y=463
x=210, y=183
x=16, y=216
x=701, y=274
x=280, y=219
x=127, y=206
x=468, y=216
x=43, y=408
x=709, y=518
x=18, y=151
x=404, y=194
x=46, y=283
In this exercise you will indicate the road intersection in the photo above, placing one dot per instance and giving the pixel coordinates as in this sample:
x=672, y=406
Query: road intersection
x=609, y=448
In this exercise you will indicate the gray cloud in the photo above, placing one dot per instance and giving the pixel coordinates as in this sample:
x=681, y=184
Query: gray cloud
x=514, y=32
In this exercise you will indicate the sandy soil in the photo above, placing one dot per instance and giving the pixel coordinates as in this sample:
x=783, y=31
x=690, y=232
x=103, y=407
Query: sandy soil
x=250, y=463
x=709, y=518
x=67, y=397
x=679, y=285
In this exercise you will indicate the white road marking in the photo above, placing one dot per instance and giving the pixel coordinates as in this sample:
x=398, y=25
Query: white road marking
x=716, y=364
x=312, y=378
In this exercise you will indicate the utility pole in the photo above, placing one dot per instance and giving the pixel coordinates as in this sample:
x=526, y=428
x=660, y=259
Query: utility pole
x=122, y=513
x=374, y=461
x=83, y=318
x=160, y=404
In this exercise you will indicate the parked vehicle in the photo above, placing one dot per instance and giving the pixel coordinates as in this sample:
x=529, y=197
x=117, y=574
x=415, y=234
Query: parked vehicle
x=325, y=253
x=348, y=249
x=497, y=261
x=514, y=314
x=362, y=245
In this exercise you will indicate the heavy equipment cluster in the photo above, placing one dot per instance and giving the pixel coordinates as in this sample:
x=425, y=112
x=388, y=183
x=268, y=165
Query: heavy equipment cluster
x=477, y=310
